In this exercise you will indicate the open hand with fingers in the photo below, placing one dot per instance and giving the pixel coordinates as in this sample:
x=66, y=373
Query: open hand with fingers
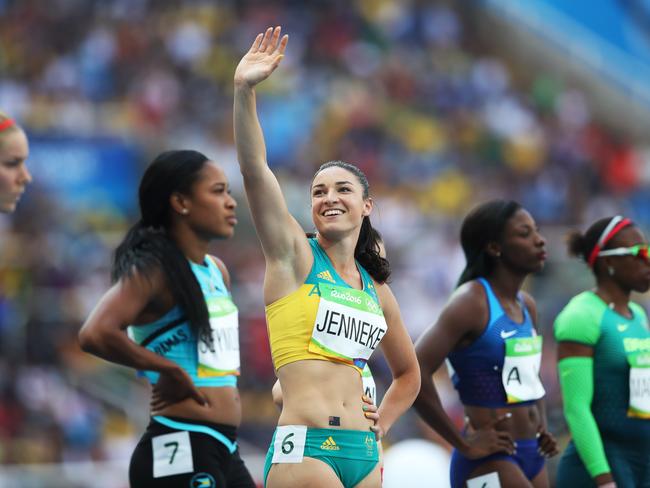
x=547, y=443
x=488, y=440
x=371, y=412
x=262, y=58
x=172, y=387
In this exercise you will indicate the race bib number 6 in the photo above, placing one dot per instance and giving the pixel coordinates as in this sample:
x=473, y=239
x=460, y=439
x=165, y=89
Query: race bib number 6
x=289, y=445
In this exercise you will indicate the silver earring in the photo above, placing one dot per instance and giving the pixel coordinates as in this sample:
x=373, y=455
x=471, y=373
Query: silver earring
x=185, y=211
x=610, y=271
x=498, y=254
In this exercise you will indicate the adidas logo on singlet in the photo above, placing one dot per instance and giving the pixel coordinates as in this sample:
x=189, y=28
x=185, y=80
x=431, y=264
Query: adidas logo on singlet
x=330, y=445
x=325, y=275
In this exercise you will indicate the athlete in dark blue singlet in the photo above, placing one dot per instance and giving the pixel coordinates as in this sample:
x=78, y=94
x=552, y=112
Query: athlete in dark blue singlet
x=487, y=332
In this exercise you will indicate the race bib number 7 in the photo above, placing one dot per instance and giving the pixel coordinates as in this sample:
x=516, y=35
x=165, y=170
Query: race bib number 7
x=172, y=454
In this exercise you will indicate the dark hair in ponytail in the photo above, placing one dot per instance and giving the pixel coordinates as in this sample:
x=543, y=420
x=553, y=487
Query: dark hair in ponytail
x=484, y=224
x=581, y=245
x=368, y=245
x=147, y=245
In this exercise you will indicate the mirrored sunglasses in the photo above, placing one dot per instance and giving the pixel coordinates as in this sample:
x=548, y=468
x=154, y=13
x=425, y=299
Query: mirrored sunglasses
x=640, y=250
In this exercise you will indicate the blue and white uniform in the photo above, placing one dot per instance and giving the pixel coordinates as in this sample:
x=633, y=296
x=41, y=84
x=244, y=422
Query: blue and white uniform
x=500, y=369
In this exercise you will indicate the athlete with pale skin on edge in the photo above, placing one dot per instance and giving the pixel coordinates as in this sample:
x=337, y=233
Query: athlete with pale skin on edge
x=487, y=331
x=14, y=175
x=327, y=305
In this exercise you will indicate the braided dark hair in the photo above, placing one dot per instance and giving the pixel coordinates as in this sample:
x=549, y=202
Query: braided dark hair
x=147, y=245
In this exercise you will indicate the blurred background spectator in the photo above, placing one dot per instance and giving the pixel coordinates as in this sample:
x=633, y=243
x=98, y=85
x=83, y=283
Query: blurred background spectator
x=426, y=97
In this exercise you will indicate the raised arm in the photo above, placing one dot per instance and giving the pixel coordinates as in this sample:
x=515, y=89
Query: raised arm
x=461, y=320
x=279, y=233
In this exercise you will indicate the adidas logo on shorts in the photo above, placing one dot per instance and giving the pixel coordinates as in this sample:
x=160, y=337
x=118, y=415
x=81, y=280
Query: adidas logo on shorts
x=329, y=445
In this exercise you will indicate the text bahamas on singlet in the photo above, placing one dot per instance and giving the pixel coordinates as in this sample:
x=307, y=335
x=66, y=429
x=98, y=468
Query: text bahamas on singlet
x=164, y=346
x=352, y=328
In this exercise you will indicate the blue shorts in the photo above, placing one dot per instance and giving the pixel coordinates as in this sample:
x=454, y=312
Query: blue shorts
x=526, y=457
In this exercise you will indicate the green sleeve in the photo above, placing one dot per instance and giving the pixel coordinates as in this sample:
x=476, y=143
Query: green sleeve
x=577, y=383
x=578, y=323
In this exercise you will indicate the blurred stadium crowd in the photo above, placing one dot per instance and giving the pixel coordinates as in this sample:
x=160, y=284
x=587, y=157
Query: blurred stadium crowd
x=406, y=90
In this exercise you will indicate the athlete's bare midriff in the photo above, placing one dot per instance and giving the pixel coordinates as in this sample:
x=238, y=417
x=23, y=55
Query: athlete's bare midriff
x=224, y=407
x=317, y=393
x=523, y=424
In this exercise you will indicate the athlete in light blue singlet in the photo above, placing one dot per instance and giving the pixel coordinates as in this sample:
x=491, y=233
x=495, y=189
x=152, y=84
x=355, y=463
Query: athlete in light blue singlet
x=174, y=301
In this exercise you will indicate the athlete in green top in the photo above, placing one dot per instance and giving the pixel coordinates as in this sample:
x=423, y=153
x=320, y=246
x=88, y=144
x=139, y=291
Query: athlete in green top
x=604, y=362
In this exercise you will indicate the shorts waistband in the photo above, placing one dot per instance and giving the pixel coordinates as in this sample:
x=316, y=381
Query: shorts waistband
x=343, y=443
x=226, y=434
x=527, y=443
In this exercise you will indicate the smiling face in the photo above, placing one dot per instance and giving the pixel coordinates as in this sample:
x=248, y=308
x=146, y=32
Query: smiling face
x=209, y=209
x=631, y=273
x=522, y=246
x=14, y=176
x=338, y=202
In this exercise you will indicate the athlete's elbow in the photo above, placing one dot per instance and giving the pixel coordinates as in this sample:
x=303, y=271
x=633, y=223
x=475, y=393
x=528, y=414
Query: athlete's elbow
x=87, y=341
x=91, y=341
x=424, y=397
x=416, y=383
x=410, y=382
